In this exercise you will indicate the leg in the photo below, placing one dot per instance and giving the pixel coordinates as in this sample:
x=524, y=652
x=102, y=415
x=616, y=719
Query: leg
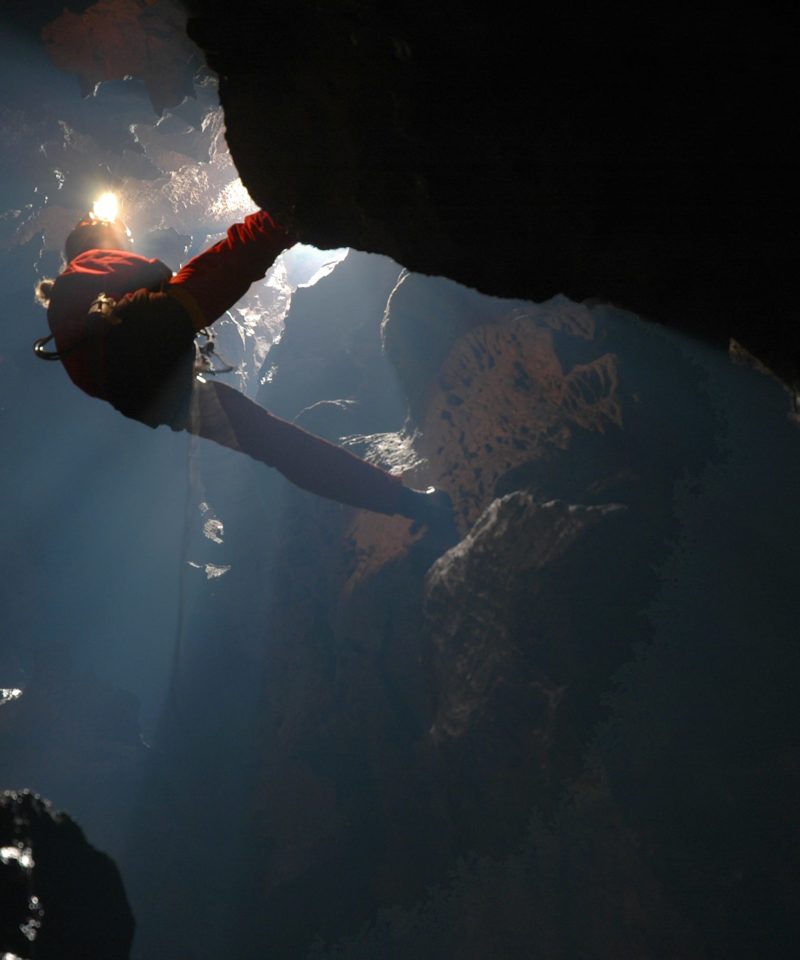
x=228, y=417
x=150, y=357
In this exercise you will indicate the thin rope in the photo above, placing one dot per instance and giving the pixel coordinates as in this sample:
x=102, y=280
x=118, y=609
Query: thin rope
x=194, y=490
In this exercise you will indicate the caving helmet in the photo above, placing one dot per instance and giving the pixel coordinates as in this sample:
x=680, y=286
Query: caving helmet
x=91, y=234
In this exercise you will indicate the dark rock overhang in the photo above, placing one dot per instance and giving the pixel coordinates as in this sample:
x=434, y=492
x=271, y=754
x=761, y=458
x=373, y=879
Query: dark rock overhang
x=636, y=155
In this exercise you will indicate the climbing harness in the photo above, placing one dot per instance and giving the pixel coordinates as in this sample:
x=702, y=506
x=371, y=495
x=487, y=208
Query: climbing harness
x=210, y=361
x=101, y=312
x=207, y=354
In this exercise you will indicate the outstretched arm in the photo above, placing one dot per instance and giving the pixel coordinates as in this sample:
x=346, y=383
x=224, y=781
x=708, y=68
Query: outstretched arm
x=213, y=281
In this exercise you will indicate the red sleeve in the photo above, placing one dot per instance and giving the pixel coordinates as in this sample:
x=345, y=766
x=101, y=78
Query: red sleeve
x=220, y=276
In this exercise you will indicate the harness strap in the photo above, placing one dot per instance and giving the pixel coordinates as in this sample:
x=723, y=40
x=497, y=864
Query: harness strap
x=208, y=353
x=101, y=314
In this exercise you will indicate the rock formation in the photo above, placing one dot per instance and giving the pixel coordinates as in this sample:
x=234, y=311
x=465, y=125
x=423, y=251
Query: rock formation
x=59, y=897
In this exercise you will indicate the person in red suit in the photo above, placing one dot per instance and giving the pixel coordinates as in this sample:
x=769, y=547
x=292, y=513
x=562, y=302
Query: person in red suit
x=124, y=327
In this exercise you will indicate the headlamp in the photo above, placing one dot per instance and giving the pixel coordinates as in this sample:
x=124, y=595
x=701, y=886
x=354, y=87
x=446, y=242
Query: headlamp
x=106, y=207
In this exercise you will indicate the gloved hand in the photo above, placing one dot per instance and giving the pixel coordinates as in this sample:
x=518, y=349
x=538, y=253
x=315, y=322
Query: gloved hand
x=433, y=509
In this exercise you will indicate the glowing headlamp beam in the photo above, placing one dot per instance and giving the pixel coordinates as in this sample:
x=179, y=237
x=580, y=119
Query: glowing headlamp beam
x=106, y=207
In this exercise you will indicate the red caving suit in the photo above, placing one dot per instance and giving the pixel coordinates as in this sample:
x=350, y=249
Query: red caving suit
x=129, y=358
